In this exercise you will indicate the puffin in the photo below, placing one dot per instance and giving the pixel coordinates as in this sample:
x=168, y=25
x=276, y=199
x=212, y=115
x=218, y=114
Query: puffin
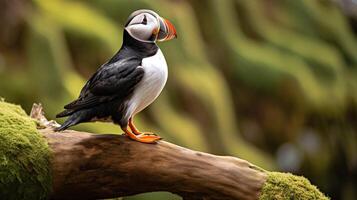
x=129, y=82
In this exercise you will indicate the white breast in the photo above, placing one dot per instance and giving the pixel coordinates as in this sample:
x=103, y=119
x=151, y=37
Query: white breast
x=150, y=86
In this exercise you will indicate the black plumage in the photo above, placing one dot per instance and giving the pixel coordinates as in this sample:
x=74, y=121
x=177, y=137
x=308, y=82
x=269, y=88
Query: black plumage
x=105, y=93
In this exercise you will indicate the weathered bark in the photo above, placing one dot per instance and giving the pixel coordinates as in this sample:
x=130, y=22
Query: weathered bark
x=92, y=166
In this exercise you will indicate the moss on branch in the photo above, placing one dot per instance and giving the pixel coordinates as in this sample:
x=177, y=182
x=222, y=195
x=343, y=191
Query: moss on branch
x=24, y=156
x=281, y=186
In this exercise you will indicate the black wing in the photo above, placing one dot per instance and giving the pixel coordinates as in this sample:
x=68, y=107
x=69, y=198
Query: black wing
x=111, y=81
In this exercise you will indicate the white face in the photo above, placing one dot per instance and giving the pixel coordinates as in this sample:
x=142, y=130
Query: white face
x=144, y=27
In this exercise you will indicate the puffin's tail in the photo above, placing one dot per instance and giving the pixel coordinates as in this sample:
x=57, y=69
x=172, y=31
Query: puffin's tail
x=65, y=113
x=73, y=119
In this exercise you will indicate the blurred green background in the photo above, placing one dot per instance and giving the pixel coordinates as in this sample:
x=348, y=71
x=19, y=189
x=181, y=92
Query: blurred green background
x=270, y=81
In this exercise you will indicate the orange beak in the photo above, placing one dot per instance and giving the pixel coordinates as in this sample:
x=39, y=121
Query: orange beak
x=167, y=30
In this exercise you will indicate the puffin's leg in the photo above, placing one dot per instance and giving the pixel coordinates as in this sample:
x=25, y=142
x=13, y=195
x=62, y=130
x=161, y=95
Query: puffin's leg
x=132, y=127
x=135, y=130
x=142, y=137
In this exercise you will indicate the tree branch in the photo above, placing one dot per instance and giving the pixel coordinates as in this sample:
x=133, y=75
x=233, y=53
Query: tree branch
x=93, y=166
x=89, y=166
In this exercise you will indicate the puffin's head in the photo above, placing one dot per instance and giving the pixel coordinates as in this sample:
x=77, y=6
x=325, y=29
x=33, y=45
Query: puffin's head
x=147, y=26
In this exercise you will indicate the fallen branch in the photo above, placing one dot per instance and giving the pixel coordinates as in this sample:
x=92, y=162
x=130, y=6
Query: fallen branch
x=107, y=166
x=93, y=166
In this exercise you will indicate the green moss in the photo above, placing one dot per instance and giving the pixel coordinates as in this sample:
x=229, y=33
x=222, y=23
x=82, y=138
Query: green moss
x=24, y=156
x=288, y=186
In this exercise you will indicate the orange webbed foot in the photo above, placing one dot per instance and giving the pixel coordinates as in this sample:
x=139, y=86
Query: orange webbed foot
x=146, y=133
x=146, y=137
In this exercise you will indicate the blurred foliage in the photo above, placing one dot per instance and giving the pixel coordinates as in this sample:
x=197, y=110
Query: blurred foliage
x=270, y=81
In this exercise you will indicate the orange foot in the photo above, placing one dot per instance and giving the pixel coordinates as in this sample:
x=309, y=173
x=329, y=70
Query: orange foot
x=143, y=137
x=136, y=131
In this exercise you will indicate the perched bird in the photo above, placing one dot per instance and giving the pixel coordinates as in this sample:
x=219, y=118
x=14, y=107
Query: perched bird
x=130, y=81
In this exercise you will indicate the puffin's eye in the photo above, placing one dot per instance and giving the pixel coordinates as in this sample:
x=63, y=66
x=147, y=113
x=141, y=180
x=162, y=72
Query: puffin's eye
x=145, y=21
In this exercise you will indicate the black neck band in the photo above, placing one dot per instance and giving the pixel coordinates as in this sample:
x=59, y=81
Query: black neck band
x=144, y=49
